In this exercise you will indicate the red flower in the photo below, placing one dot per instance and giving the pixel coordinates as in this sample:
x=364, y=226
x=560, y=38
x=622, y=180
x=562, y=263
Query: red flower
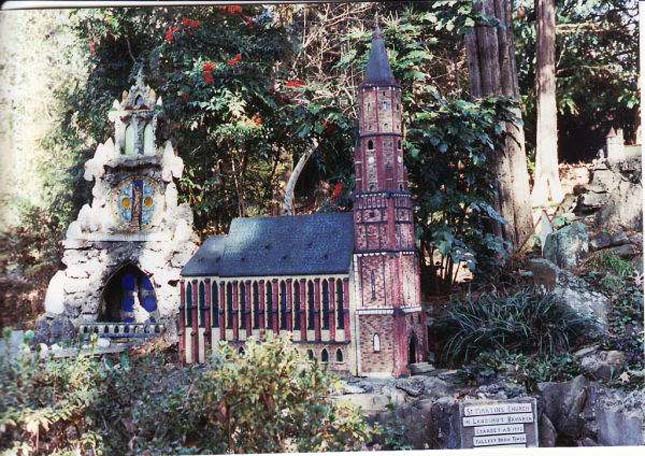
x=207, y=72
x=257, y=120
x=235, y=60
x=248, y=21
x=233, y=9
x=338, y=191
x=190, y=23
x=170, y=34
x=295, y=83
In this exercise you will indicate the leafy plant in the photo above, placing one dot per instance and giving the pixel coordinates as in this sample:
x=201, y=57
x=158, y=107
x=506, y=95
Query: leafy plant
x=528, y=322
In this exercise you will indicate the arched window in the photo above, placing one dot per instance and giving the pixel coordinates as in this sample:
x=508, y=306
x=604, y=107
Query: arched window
x=242, y=305
x=269, y=304
x=149, y=140
x=241, y=351
x=386, y=126
x=386, y=106
x=369, y=107
x=256, y=306
x=215, y=305
x=189, y=304
x=324, y=356
x=325, y=304
x=202, y=303
x=373, y=284
x=310, y=354
x=376, y=343
x=399, y=144
x=311, y=312
x=229, y=305
x=370, y=145
x=339, y=356
x=283, y=305
x=340, y=312
x=129, y=140
x=296, y=305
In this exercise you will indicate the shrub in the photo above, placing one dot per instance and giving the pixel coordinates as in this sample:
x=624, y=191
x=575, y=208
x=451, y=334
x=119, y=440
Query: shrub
x=270, y=399
x=527, y=322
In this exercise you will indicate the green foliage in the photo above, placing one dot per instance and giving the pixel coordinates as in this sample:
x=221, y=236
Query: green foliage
x=270, y=399
x=528, y=370
x=450, y=145
x=527, y=322
x=45, y=407
x=616, y=278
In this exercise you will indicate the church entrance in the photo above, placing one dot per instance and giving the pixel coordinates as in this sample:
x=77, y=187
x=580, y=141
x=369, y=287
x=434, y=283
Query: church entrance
x=412, y=349
x=129, y=297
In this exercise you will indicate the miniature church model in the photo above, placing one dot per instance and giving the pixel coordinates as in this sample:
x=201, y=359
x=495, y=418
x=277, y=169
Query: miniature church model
x=124, y=253
x=344, y=286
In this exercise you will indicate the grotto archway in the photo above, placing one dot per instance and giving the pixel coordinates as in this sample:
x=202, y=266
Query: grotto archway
x=129, y=297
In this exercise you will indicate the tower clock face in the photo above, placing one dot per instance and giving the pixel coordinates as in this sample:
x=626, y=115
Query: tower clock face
x=135, y=203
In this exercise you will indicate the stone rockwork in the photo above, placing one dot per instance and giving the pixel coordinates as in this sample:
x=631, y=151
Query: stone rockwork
x=614, y=196
x=134, y=221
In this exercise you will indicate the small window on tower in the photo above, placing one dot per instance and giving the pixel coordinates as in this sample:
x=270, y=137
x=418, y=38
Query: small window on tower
x=399, y=145
x=386, y=106
x=370, y=145
x=376, y=343
x=369, y=107
x=373, y=284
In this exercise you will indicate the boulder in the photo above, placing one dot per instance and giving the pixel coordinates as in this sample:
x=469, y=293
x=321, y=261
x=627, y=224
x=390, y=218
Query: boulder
x=421, y=368
x=543, y=272
x=617, y=427
x=412, y=387
x=603, y=365
x=604, y=239
x=444, y=424
x=624, y=208
x=576, y=293
x=546, y=432
x=567, y=246
x=563, y=404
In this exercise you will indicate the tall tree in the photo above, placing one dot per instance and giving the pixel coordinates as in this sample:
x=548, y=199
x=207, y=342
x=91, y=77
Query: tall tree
x=546, y=184
x=491, y=61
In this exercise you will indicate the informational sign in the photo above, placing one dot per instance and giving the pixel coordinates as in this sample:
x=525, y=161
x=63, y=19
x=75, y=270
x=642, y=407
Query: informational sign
x=486, y=423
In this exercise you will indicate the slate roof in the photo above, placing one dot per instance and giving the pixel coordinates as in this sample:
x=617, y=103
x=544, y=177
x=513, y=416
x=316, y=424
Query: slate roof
x=378, y=66
x=280, y=246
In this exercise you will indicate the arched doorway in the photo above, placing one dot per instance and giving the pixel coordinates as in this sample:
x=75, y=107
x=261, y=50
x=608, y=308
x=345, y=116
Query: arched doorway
x=129, y=297
x=412, y=349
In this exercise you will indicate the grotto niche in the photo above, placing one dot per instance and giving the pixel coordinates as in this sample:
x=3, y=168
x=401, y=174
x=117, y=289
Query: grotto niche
x=124, y=252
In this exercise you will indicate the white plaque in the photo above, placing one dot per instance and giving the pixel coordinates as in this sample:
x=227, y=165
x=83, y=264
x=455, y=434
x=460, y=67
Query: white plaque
x=488, y=420
x=503, y=429
x=497, y=409
x=499, y=440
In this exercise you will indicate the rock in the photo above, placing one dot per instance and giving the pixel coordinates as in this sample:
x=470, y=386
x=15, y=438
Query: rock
x=368, y=402
x=603, y=365
x=546, y=432
x=637, y=263
x=617, y=427
x=544, y=272
x=604, y=239
x=624, y=208
x=102, y=342
x=413, y=388
x=444, y=424
x=591, y=201
x=576, y=293
x=563, y=404
x=55, y=296
x=421, y=368
x=567, y=246
x=585, y=351
x=352, y=389
x=623, y=251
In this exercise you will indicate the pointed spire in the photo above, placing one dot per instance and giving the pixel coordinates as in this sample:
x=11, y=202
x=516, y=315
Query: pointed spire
x=378, y=66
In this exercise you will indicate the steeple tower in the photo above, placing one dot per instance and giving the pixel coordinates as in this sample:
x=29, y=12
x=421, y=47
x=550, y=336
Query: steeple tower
x=386, y=263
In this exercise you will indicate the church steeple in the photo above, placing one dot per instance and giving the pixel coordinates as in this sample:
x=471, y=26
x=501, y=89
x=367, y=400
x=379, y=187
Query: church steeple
x=378, y=69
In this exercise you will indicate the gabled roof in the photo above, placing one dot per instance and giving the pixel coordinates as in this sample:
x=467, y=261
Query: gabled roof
x=378, y=69
x=278, y=246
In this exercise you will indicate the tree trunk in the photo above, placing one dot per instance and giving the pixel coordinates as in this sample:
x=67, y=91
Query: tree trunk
x=491, y=60
x=290, y=190
x=546, y=185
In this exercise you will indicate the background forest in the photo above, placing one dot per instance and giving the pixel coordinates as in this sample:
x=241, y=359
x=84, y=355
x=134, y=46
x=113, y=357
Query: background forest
x=248, y=91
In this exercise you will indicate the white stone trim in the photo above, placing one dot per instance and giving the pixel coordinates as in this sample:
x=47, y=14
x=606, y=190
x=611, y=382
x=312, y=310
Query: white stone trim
x=410, y=309
x=376, y=311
